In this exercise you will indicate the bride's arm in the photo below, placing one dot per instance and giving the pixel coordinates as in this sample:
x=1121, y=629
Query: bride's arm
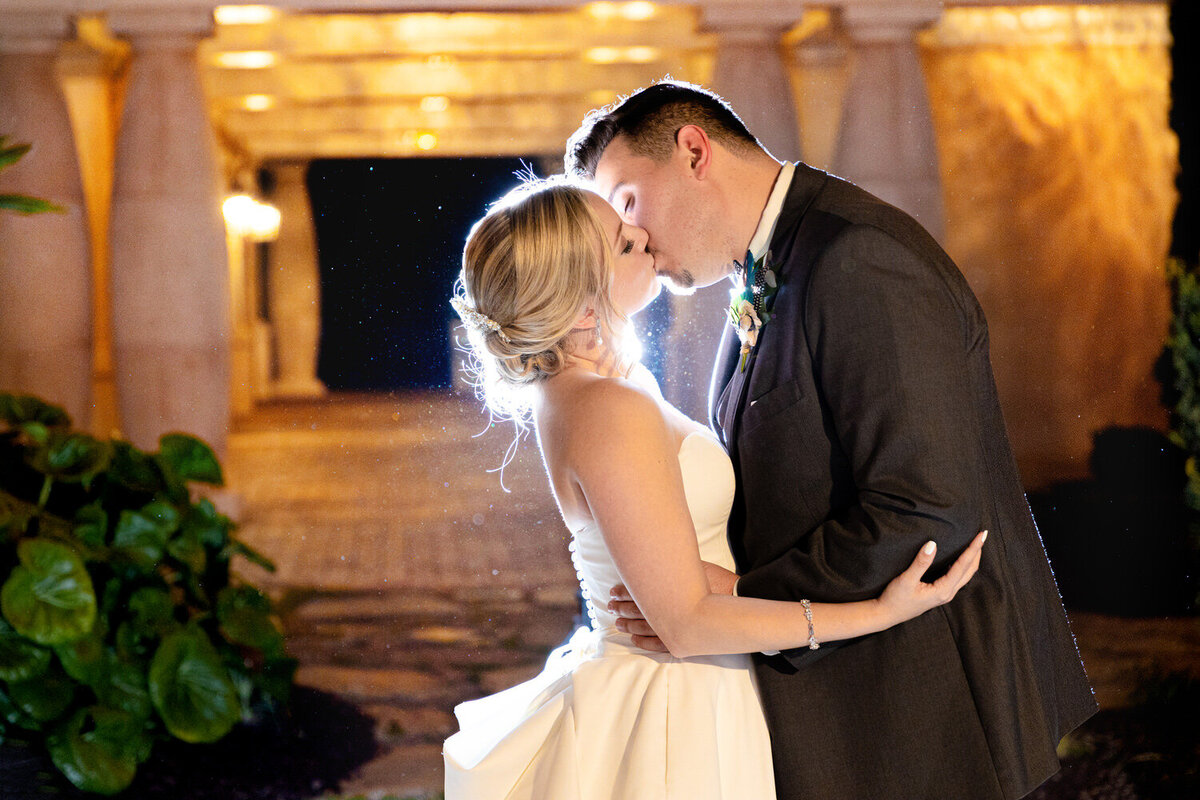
x=625, y=460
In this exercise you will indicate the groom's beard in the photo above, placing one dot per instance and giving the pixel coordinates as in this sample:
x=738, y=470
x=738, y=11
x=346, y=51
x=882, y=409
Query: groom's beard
x=678, y=283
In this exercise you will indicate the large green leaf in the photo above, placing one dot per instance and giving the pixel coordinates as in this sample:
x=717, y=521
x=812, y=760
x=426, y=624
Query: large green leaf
x=20, y=659
x=98, y=749
x=208, y=525
x=134, y=469
x=11, y=714
x=153, y=611
x=91, y=525
x=83, y=658
x=189, y=459
x=11, y=154
x=16, y=409
x=72, y=456
x=143, y=534
x=46, y=697
x=245, y=617
x=125, y=687
x=27, y=205
x=49, y=598
x=191, y=688
x=187, y=550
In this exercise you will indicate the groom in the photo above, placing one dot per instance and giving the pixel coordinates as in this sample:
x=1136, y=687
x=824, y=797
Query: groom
x=863, y=422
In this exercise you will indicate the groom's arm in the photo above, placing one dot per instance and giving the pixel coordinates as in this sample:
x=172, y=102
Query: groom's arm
x=889, y=343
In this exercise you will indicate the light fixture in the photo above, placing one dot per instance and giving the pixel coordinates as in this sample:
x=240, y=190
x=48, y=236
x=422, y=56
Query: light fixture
x=641, y=54
x=602, y=55
x=638, y=11
x=638, y=54
x=435, y=103
x=427, y=141
x=602, y=10
x=245, y=59
x=257, y=102
x=251, y=218
x=244, y=15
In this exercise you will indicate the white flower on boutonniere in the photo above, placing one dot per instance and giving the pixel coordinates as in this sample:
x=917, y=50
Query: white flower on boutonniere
x=752, y=297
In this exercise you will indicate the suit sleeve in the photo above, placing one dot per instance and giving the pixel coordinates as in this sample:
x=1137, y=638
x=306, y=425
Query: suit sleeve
x=889, y=340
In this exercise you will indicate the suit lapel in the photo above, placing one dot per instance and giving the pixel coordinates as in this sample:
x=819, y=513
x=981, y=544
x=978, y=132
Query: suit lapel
x=807, y=183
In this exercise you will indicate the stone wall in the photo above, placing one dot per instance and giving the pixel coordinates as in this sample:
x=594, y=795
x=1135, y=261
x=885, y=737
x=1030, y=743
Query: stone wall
x=1058, y=169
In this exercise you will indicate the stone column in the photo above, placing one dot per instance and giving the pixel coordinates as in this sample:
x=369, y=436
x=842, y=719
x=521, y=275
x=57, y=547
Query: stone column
x=169, y=271
x=45, y=265
x=822, y=66
x=294, y=286
x=91, y=79
x=887, y=143
x=750, y=74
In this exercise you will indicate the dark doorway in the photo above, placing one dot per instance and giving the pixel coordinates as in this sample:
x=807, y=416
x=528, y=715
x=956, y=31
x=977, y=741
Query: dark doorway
x=390, y=234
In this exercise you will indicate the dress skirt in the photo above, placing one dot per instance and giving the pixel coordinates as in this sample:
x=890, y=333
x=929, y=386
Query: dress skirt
x=608, y=721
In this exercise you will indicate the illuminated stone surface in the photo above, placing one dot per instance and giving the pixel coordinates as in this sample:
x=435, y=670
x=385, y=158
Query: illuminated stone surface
x=1058, y=167
x=45, y=266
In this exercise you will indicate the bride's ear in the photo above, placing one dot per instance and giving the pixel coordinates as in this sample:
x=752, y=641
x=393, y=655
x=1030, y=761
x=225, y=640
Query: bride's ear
x=586, y=321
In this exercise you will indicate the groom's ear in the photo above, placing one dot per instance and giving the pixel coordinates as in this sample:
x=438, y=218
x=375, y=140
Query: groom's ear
x=693, y=145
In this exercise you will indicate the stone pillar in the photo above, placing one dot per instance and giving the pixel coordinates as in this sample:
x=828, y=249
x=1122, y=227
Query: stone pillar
x=887, y=143
x=169, y=271
x=45, y=266
x=294, y=286
x=750, y=74
x=91, y=79
x=822, y=69
x=243, y=309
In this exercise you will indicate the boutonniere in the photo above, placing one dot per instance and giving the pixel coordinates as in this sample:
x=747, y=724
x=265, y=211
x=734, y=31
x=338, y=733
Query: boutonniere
x=755, y=285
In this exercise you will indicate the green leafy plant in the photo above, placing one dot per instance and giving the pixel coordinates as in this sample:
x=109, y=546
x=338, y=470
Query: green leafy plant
x=120, y=623
x=1183, y=344
x=22, y=204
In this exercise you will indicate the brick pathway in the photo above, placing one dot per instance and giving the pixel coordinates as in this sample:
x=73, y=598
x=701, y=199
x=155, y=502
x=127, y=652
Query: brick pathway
x=369, y=491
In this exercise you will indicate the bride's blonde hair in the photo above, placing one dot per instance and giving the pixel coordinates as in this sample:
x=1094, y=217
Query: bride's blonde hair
x=532, y=266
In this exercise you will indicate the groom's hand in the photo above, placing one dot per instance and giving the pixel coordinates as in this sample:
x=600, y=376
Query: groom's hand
x=631, y=621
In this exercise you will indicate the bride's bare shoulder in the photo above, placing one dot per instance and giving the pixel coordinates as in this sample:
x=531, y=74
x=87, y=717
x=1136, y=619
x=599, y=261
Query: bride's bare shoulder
x=587, y=410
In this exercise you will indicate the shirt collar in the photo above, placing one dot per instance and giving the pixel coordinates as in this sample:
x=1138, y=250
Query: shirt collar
x=770, y=215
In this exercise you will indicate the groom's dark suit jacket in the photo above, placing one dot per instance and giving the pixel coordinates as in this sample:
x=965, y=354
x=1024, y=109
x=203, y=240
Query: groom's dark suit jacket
x=865, y=423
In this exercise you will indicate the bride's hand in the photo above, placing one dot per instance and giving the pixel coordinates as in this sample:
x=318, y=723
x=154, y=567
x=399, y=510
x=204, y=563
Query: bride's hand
x=907, y=596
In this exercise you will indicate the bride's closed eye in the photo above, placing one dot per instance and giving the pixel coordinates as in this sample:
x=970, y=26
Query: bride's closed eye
x=628, y=248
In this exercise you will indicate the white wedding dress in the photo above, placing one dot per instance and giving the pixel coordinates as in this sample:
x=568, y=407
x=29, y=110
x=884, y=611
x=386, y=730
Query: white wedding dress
x=608, y=721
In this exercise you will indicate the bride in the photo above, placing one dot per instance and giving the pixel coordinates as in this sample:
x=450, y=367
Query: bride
x=550, y=278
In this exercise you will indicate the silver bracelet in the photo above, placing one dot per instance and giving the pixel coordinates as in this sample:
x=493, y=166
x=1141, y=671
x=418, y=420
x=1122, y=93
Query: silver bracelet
x=813, y=644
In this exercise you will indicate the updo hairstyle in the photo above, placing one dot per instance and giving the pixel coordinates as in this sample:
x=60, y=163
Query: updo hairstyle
x=533, y=265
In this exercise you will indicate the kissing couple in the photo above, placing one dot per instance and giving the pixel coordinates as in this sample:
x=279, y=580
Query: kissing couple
x=760, y=622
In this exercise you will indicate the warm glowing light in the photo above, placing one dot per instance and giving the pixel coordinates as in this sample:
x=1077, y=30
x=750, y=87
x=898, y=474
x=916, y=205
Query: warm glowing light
x=244, y=15
x=245, y=59
x=602, y=55
x=251, y=218
x=641, y=54
x=435, y=103
x=612, y=55
x=257, y=102
x=638, y=11
x=603, y=10
x=427, y=141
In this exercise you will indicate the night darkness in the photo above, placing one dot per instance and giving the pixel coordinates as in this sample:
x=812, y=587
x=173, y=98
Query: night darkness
x=390, y=234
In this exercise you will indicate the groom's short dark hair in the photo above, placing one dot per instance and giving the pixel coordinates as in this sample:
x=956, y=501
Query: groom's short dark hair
x=649, y=119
